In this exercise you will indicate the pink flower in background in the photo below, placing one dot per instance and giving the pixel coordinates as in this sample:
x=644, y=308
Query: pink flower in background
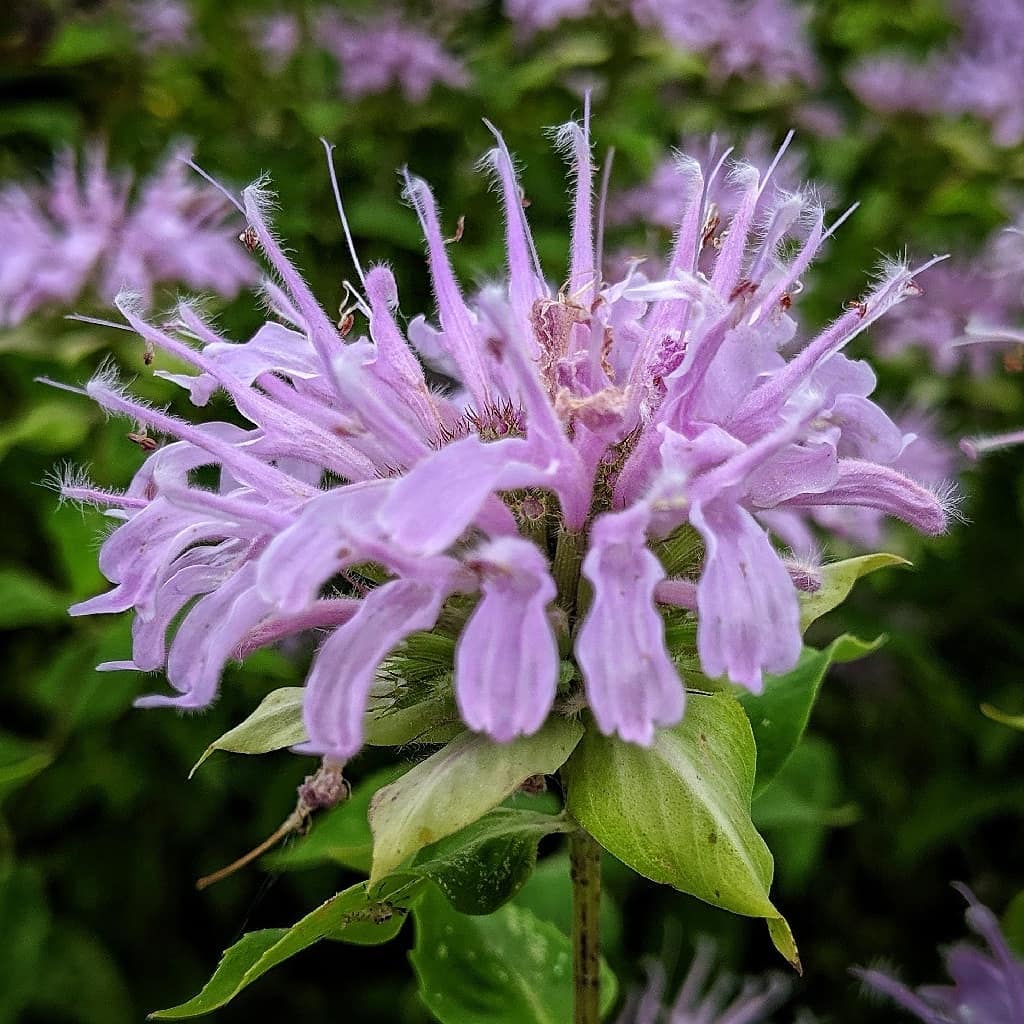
x=532, y=16
x=581, y=425
x=278, y=37
x=977, y=74
x=162, y=24
x=378, y=54
x=764, y=39
x=987, y=985
x=84, y=231
x=724, y=1001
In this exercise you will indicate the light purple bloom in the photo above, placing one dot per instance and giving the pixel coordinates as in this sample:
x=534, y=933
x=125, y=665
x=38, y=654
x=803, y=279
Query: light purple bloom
x=580, y=426
x=700, y=1003
x=749, y=38
x=277, y=36
x=532, y=16
x=976, y=74
x=162, y=24
x=377, y=54
x=84, y=229
x=988, y=985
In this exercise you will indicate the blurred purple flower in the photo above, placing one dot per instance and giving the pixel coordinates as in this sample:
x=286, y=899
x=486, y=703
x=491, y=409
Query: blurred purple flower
x=978, y=74
x=162, y=24
x=581, y=426
x=82, y=230
x=383, y=52
x=749, y=38
x=278, y=37
x=699, y=1003
x=531, y=16
x=988, y=985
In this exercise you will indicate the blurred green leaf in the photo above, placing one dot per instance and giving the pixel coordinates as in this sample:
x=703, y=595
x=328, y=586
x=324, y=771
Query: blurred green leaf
x=1013, y=924
x=779, y=714
x=457, y=785
x=505, y=968
x=20, y=762
x=24, y=923
x=1013, y=721
x=27, y=600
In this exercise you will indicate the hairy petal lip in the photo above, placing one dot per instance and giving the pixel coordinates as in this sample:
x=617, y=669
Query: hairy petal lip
x=339, y=682
x=632, y=685
x=506, y=662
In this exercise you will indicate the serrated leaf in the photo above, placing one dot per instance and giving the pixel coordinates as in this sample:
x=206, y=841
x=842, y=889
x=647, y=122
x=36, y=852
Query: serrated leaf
x=482, y=866
x=457, y=785
x=779, y=714
x=350, y=916
x=506, y=968
x=837, y=580
x=275, y=724
x=678, y=812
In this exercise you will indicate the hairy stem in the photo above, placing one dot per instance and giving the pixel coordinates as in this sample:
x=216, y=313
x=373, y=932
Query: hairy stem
x=585, y=871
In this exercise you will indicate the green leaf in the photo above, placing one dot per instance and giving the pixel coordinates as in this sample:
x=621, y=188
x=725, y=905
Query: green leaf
x=27, y=600
x=435, y=720
x=457, y=785
x=837, y=581
x=350, y=916
x=1013, y=924
x=797, y=809
x=340, y=835
x=1013, y=721
x=779, y=714
x=20, y=761
x=26, y=921
x=506, y=968
x=275, y=724
x=548, y=893
x=485, y=864
x=678, y=812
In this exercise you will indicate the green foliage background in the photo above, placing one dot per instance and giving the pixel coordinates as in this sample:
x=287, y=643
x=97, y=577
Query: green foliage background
x=900, y=787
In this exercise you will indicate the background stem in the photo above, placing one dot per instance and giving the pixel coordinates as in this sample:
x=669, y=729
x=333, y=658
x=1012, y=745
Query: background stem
x=585, y=871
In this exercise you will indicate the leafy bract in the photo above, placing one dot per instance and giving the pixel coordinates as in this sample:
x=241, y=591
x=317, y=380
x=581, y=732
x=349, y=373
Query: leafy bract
x=837, y=580
x=457, y=785
x=275, y=724
x=678, y=811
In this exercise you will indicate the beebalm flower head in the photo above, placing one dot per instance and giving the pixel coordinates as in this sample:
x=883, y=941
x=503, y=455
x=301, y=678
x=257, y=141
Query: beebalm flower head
x=987, y=985
x=724, y=1001
x=380, y=53
x=85, y=229
x=518, y=508
x=974, y=74
x=162, y=25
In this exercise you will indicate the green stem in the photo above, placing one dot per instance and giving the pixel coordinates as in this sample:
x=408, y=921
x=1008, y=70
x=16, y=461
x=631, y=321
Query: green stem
x=585, y=871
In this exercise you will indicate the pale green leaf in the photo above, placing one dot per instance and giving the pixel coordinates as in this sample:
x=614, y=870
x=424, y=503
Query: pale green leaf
x=457, y=785
x=275, y=724
x=678, y=811
x=837, y=580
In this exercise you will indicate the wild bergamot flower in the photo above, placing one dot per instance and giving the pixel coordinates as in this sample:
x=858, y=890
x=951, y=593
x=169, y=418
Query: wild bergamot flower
x=518, y=507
